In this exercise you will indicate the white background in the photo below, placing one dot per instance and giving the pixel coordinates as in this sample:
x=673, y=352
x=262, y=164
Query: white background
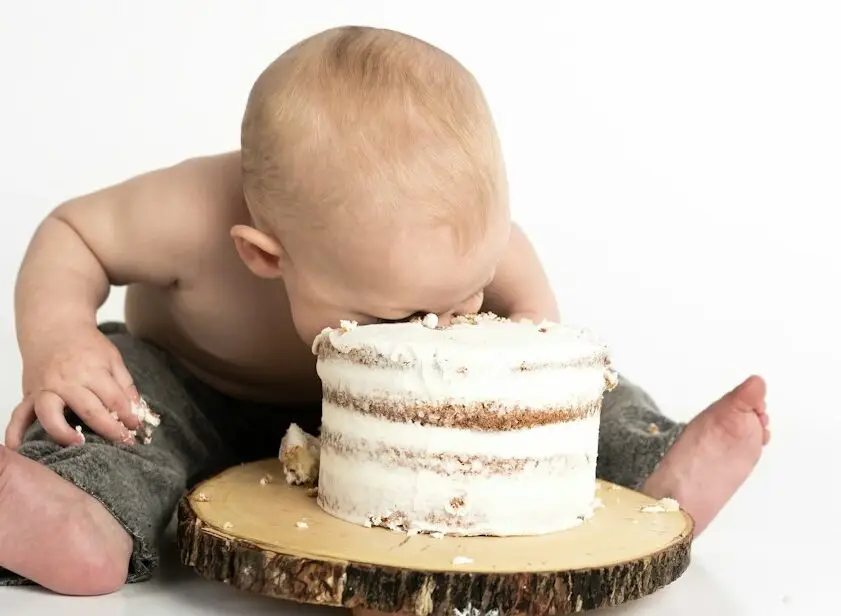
x=676, y=164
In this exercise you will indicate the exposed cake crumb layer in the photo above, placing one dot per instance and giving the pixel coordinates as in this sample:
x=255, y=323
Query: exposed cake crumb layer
x=574, y=438
x=443, y=463
x=484, y=416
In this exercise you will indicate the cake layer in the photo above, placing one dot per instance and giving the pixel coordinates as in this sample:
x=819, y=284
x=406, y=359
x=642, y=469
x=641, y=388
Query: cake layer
x=569, y=388
x=533, y=501
x=443, y=463
x=574, y=438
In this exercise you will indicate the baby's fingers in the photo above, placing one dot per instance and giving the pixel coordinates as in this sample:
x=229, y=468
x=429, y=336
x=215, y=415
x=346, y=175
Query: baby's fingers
x=22, y=417
x=125, y=380
x=49, y=407
x=90, y=409
x=116, y=399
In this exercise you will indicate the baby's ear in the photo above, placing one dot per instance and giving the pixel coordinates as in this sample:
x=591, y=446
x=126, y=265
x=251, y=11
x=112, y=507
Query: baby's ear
x=263, y=254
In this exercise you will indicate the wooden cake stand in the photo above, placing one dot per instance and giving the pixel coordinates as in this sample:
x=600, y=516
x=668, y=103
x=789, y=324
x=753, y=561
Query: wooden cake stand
x=274, y=540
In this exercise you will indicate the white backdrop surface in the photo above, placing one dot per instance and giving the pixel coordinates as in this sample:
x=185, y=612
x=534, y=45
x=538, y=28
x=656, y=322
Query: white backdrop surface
x=676, y=165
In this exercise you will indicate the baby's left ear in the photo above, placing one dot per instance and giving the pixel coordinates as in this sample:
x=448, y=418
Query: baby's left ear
x=262, y=253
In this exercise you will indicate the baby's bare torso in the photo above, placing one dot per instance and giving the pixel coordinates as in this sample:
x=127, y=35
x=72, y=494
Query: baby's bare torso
x=232, y=329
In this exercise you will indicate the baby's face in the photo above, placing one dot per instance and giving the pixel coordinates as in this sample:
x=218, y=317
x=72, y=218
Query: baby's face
x=380, y=277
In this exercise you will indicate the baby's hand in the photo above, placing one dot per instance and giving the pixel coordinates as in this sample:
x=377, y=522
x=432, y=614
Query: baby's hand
x=80, y=369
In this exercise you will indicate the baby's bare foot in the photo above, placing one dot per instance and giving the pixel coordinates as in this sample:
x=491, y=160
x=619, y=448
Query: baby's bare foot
x=715, y=454
x=54, y=534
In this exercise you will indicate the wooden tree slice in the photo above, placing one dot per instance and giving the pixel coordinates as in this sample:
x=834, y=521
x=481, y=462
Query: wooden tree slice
x=274, y=540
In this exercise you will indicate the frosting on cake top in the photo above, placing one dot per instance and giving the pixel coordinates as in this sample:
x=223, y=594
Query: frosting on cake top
x=468, y=340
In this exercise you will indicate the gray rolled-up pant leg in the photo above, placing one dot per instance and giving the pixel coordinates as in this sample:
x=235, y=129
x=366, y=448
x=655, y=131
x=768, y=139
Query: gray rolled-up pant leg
x=139, y=484
x=633, y=435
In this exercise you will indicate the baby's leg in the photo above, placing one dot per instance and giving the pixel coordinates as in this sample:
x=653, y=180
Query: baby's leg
x=633, y=436
x=700, y=464
x=86, y=519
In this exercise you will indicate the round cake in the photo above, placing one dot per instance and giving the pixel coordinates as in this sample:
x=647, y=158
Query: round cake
x=480, y=427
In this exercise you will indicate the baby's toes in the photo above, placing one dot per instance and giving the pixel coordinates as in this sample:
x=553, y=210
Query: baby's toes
x=766, y=433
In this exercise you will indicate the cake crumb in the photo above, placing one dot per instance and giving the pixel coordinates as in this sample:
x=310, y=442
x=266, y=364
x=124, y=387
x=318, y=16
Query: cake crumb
x=664, y=505
x=266, y=479
x=201, y=497
x=347, y=326
x=227, y=526
x=142, y=411
x=611, y=379
x=392, y=520
x=299, y=453
x=430, y=321
x=653, y=429
x=455, y=506
x=462, y=560
x=302, y=524
x=149, y=421
x=81, y=435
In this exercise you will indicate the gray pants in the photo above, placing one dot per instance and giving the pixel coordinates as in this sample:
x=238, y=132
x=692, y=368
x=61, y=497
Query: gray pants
x=203, y=431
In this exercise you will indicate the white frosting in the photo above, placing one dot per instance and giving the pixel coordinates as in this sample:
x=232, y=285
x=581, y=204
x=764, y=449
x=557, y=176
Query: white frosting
x=486, y=345
x=534, y=480
x=430, y=321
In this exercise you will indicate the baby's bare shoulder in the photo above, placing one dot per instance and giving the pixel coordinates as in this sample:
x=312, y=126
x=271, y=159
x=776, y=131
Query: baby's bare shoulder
x=155, y=227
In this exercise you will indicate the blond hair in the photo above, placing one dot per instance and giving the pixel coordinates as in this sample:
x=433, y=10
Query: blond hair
x=371, y=122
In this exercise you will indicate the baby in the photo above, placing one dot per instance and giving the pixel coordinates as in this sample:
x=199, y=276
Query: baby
x=369, y=186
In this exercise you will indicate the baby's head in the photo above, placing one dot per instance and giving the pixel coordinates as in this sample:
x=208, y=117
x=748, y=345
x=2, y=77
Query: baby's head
x=374, y=178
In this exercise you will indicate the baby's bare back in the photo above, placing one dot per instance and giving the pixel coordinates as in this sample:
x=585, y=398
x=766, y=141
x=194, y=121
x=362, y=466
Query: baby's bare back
x=188, y=290
x=231, y=328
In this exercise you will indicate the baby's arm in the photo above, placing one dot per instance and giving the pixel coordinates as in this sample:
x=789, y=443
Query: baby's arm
x=140, y=231
x=520, y=289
